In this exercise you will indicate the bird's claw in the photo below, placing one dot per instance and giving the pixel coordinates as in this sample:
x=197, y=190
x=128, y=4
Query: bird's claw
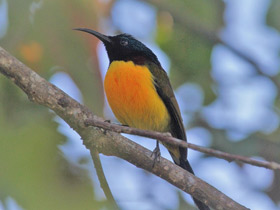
x=156, y=154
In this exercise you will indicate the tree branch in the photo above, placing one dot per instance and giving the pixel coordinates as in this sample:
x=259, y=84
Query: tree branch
x=109, y=143
x=102, y=179
x=42, y=92
x=166, y=137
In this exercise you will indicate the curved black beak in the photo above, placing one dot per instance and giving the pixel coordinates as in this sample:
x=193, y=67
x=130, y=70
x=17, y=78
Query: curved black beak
x=105, y=39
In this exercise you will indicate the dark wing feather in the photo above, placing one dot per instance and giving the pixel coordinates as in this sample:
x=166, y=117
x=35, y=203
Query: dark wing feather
x=177, y=129
x=165, y=91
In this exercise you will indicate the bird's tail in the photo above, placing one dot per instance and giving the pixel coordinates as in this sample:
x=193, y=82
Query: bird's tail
x=186, y=165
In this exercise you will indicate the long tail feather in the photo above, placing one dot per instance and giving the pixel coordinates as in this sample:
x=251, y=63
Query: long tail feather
x=186, y=165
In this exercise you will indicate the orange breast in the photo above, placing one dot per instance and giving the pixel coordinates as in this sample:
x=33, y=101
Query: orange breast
x=133, y=98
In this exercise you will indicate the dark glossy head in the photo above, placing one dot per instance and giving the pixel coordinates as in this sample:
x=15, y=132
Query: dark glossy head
x=125, y=48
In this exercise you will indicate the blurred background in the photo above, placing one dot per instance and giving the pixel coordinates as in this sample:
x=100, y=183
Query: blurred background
x=223, y=61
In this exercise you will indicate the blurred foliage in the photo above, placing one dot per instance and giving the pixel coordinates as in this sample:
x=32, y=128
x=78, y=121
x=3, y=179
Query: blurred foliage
x=273, y=15
x=191, y=57
x=34, y=172
x=32, y=168
x=47, y=43
x=40, y=34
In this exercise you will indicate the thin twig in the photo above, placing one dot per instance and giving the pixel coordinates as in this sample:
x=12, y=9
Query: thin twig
x=166, y=137
x=102, y=179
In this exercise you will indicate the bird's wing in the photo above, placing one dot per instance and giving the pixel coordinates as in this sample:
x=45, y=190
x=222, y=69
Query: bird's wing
x=165, y=91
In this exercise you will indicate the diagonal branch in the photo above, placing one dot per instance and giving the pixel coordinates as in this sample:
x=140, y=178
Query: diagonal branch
x=166, y=137
x=102, y=179
x=109, y=143
x=42, y=92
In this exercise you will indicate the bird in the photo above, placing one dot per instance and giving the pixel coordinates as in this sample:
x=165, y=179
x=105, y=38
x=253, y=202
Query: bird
x=140, y=94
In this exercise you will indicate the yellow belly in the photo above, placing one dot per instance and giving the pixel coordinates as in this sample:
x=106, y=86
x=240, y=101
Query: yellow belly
x=133, y=98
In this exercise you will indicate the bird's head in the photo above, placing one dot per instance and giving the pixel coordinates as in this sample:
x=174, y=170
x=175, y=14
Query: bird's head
x=124, y=47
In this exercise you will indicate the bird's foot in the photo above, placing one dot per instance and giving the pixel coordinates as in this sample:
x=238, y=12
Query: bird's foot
x=156, y=154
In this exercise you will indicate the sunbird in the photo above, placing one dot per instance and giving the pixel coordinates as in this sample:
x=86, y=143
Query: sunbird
x=140, y=94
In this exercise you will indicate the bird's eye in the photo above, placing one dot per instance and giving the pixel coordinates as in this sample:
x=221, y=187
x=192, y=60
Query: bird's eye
x=124, y=42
